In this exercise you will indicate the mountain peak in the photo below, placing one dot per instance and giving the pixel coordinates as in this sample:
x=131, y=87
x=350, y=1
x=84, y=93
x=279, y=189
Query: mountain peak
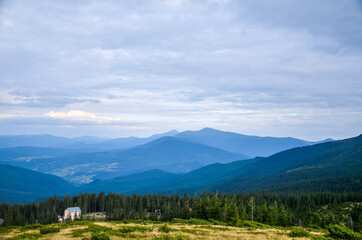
x=207, y=129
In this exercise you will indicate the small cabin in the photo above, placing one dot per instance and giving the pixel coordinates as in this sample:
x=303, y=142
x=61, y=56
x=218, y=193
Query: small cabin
x=72, y=213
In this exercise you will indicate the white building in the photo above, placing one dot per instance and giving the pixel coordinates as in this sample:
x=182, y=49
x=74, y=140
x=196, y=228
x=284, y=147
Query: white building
x=72, y=213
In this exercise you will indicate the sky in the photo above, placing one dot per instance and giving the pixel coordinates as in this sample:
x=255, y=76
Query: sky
x=134, y=68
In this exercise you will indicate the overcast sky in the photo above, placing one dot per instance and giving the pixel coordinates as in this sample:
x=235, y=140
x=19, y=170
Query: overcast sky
x=122, y=68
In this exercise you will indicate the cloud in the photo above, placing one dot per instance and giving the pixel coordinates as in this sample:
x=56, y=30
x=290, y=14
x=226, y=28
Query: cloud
x=184, y=64
x=77, y=115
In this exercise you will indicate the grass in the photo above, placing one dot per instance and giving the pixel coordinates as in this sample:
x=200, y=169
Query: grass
x=190, y=229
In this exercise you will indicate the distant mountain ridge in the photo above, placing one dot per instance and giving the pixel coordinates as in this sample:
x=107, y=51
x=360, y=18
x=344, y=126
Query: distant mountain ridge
x=90, y=142
x=130, y=142
x=331, y=166
x=228, y=141
x=84, y=159
x=166, y=153
x=238, y=143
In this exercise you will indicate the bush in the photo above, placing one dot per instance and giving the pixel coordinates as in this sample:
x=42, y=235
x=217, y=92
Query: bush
x=342, y=232
x=7, y=229
x=165, y=228
x=252, y=224
x=77, y=233
x=166, y=237
x=216, y=222
x=128, y=229
x=31, y=227
x=46, y=230
x=99, y=236
x=299, y=232
x=97, y=229
x=31, y=236
x=321, y=238
x=136, y=221
x=191, y=221
x=76, y=223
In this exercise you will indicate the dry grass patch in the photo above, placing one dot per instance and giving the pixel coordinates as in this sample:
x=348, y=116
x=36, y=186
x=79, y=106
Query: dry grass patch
x=156, y=231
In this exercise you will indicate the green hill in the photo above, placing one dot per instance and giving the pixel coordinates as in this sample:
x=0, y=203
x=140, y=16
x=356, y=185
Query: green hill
x=22, y=185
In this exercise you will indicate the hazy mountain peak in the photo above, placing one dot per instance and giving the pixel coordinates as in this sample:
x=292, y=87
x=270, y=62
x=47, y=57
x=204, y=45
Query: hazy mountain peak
x=169, y=133
x=238, y=143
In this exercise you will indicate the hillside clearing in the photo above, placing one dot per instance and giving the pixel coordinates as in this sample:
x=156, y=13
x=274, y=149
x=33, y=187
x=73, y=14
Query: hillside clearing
x=116, y=230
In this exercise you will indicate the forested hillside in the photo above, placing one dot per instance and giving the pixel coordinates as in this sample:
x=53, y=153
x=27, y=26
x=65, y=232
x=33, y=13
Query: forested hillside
x=308, y=210
x=23, y=185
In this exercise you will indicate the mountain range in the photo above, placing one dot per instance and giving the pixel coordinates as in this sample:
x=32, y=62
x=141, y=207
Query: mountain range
x=190, y=161
x=228, y=141
x=238, y=143
x=83, y=159
x=332, y=166
x=166, y=153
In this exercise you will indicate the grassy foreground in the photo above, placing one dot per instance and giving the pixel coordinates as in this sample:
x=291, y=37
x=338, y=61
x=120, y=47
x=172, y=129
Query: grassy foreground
x=85, y=230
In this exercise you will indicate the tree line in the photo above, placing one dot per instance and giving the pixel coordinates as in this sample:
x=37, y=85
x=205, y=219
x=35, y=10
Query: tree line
x=276, y=209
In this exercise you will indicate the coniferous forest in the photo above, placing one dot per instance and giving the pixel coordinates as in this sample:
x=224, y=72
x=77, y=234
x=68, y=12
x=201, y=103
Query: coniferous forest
x=316, y=210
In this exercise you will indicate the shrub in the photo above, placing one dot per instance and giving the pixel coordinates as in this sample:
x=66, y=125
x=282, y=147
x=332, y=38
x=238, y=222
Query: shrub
x=76, y=223
x=321, y=238
x=166, y=237
x=342, y=232
x=31, y=226
x=99, y=236
x=216, y=222
x=77, y=233
x=165, y=228
x=97, y=229
x=128, y=229
x=252, y=224
x=30, y=236
x=137, y=221
x=191, y=221
x=46, y=230
x=299, y=232
x=7, y=229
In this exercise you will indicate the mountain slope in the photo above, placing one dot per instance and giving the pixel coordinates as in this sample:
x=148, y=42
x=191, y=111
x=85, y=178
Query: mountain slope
x=44, y=140
x=22, y=185
x=238, y=143
x=318, y=162
x=130, y=142
x=89, y=142
x=296, y=169
x=167, y=153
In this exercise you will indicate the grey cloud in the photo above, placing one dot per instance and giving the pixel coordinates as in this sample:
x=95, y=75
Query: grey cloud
x=46, y=121
x=154, y=60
